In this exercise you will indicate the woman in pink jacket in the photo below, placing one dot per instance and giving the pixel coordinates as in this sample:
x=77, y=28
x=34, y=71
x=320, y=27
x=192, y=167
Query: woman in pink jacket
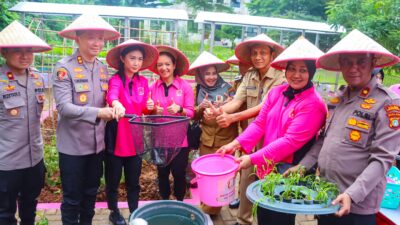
x=289, y=121
x=127, y=94
x=171, y=95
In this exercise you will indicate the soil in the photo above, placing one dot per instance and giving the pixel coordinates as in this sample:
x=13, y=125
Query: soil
x=148, y=178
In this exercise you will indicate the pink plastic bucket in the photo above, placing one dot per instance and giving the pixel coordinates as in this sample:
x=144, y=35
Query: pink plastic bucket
x=215, y=177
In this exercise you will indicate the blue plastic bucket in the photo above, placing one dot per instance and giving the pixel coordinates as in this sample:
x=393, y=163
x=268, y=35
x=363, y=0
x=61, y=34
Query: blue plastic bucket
x=166, y=212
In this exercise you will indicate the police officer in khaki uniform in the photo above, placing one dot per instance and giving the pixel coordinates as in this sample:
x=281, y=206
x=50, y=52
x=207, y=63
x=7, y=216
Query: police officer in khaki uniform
x=21, y=145
x=258, y=51
x=361, y=136
x=80, y=82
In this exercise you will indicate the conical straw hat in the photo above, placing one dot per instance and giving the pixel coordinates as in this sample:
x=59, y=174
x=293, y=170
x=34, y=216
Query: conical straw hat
x=356, y=42
x=17, y=35
x=301, y=49
x=233, y=60
x=182, y=62
x=151, y=54
x=395, y=88
x=92, y=22
x=243, y=50
x=207, y=59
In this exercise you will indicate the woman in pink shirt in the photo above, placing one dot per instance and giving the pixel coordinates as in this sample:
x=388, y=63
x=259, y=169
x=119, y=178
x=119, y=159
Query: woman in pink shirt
x=127, y=94
x=289, y=121
x=171, y=95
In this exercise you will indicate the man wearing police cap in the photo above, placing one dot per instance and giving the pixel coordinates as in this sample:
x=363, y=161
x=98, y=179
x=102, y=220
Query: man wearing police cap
x=80, y=82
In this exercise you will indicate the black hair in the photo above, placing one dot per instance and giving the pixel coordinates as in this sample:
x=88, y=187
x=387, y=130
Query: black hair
x=378, y=70
x=124, y=52
x=169, y=55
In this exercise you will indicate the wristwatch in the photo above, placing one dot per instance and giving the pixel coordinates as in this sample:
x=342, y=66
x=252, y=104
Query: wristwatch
x=180, y=109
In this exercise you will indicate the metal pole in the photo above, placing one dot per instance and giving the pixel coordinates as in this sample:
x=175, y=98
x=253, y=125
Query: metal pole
x=281, y=38
x=212, y=35
x=317, y=40
x=303, y=33
x=176, y=22
x=126, y=28
x=259, y=30
x=202, y=28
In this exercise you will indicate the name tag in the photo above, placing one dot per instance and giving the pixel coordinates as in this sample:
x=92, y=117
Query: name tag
x=251, y=87
x=15, y=94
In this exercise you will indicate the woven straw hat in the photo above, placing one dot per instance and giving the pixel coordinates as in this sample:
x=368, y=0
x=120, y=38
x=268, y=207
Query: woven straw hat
x=17, y=35
x=242, y=50
x=356, y=42
x=207, y=59
x=151, y=54
x=182, y=62
x=90, y=22
x=301, y=49
x=233, y=60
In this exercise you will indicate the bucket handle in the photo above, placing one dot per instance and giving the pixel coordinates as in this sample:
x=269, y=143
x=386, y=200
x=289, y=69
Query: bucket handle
x=195, y=179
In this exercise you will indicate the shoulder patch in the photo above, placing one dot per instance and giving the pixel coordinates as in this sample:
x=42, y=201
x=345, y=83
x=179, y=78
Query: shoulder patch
x=393, y=114
x=61, y=73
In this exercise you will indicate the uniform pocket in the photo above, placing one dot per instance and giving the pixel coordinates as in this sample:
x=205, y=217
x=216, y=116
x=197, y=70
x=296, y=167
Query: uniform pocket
x=14, y=107
x=357, y=131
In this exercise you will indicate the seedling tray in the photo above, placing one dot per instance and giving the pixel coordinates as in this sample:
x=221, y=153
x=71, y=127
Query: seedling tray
x=255, y=195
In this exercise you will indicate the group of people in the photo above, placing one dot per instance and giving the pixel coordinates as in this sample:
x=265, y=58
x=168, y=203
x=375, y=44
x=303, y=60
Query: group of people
x=282, y=119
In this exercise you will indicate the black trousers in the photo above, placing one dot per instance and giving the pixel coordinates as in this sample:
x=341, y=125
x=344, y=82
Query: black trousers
x=351, y=219
x=178, y=169
x=269, y=217
x=80, y=180
x=24, y=186
x=132, y=169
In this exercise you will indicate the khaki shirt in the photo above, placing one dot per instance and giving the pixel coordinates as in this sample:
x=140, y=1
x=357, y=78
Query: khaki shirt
x=252, y=90
x=359, y=143
x=21, y=144
x=79, y=93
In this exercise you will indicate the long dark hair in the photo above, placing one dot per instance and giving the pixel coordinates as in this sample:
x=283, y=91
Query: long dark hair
x=124, y=52
x=169, y=55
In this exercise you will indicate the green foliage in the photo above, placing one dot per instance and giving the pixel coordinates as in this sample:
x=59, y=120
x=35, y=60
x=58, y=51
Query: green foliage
x=291, y=9
x=378, y=19
x=205, y=5
x=42, y=219
x=51, y=162
x=6, y=17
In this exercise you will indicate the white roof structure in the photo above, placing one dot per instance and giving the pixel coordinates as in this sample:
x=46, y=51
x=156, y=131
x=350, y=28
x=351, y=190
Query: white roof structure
x=266, y=22
x=101, y=10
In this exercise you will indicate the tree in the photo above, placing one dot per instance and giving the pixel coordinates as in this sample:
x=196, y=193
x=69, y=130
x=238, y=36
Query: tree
x=378, y=19
x=205, y=5
x=6, y=16
x=291, y=9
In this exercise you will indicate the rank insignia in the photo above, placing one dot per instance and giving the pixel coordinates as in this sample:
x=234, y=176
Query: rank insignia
x=104, y=86
x=366, y=106
x=10, y=76
x=35, y=76
x=363, y=125
x=79, y=76
x=103, y=76
x=61, y=73
x=41, y=98
x=355, y=135
x=14, y=112
x=83, y=98
x=364, y=92
x=39, y=84
x=334, y=100
x=370, y=101
x=78, y=69
x=393, y=114
x=79, y=59
x=9, y=88
x=352, y=122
